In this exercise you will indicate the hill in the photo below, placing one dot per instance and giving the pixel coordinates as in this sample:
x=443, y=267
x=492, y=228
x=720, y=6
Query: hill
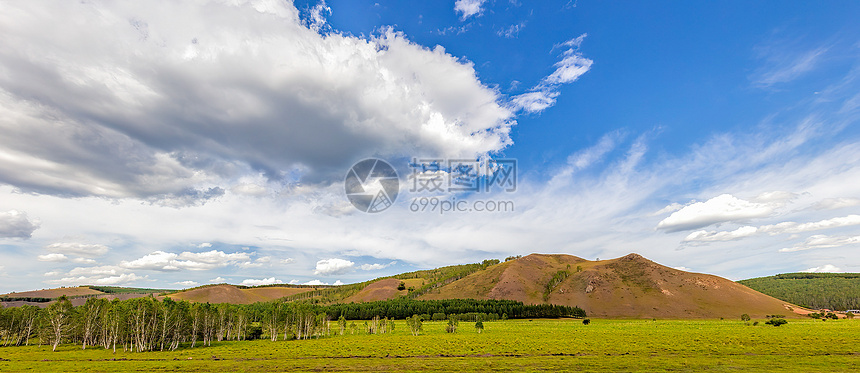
x=78, y=295
x=224, y=293
x=833, y=291
x=630, y=286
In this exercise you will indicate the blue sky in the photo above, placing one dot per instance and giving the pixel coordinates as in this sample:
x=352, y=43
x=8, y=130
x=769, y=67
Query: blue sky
x=167, y=144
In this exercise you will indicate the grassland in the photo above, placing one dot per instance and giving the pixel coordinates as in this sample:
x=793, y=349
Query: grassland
x=511, y=345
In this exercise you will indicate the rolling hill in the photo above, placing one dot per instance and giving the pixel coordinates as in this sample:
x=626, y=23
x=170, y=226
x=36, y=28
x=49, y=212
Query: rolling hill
x=626, y=287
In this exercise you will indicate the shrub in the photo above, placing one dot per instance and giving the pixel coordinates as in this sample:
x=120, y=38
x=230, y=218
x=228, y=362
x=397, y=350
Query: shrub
x=776, y=322
x=586, y=321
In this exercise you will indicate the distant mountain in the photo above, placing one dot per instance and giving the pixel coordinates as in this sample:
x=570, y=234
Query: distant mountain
x=77, y=294
x=833, y=291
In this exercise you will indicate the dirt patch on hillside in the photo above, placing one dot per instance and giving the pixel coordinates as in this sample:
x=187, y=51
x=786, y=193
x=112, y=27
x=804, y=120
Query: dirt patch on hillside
x=379, y=290
x=55, y=293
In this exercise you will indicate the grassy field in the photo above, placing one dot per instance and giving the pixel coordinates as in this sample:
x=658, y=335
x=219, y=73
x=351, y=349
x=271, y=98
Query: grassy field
x=512, y=345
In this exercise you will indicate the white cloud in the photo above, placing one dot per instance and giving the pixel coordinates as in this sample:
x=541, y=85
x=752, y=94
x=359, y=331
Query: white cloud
x=820, y=241
x=705, y=236
x=188, y=283
x=265, y=281
x=288, y=261
x=84, y=261
x=218, y=279
x=773, y=229
x=95, y=271
x=469, y=8
x=156, y=261
x=15, y=224
x=317, y=18
x=125, y=278
x=252, y=77
x=720, y=209
x=785, y=66
x=535, y=101
x=830, y=268
x=376, y=266
x=318, y=282
x=52, y=258
x=568, y=70
x=333, y=266
x=79, y=249
x=165, y=261
x=682, y=268
x=512, y=31
x=836, y=203
x=204, y=245
x=47, y=274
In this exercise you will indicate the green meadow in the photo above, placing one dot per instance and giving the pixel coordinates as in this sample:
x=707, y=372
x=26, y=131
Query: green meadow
x=510, y=345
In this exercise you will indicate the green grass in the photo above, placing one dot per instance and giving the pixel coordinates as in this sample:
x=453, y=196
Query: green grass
x=512, y=345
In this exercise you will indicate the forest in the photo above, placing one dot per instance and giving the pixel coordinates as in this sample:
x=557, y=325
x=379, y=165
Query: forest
x=149, y=324
x=833, y=291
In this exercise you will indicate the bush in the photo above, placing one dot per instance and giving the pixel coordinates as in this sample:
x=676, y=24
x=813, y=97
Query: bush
x=776, y=322
x=745, y=318
x=586, y=321
x=402, y=286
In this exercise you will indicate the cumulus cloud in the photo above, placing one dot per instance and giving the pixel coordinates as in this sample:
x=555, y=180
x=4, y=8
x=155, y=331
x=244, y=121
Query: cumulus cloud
x=218, y=279
x=125, y=278
x=96, y=271
x=773, y=229
x=720, y=209
x=705, y=236
x=174, y=106
x=79, y=249
x=165, y=261
x=53, y=257
x=468, y=8
x=334, y=266
x=15, y=224
x=265, y=281
x=376, y=266
x=187, y=283
x=318, y=282
x=828, y=268
x=820, y=241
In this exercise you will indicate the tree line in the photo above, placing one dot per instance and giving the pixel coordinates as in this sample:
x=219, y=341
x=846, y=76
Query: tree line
x=149, y=324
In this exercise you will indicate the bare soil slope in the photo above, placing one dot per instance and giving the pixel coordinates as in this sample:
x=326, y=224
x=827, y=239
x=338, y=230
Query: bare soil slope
x=630, y=286
x=379, y=290
x=232, y=294
x=54, y=293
